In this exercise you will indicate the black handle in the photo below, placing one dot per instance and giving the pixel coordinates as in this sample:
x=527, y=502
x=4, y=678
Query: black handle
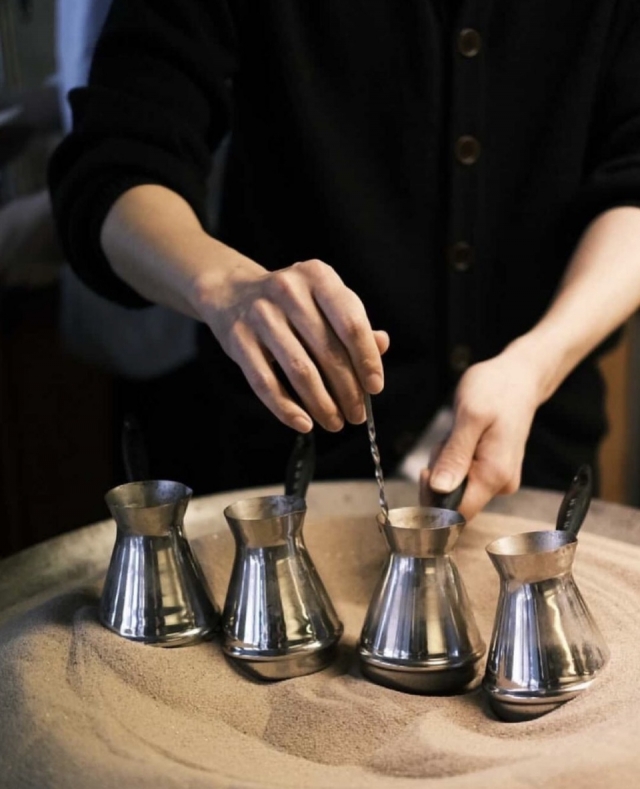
x=134, y=452
x=301, y=465
x=447, y=501
x=576, y=501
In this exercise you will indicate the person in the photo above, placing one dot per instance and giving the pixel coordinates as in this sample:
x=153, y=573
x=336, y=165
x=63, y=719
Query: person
x=453, y=188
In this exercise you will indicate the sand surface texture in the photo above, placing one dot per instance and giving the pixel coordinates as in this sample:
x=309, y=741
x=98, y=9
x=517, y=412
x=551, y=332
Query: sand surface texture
x=81, y=708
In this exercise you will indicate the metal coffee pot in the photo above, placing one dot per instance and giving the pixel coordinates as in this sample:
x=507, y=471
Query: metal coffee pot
x=154, y=591
x=419, y=633
x=278, y=620
x=546, y=647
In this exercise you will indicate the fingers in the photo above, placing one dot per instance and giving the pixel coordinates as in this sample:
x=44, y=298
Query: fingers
x=495, y=471
x=347, y=316
x=494, y=407
x=486, y=452
x=316, y=357
x=305, y=378
x=480, y=489
x=306, y=319
x=332, y=325
x=382, y=341
x=253, y=362
x=454, y=460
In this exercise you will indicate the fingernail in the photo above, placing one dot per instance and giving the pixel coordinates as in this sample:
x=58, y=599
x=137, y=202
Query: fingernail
x=302, y=425
x=375, y=383
x=335, y=424
x=442, y=481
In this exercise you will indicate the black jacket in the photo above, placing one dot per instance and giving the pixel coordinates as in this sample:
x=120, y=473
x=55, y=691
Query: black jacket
x=444, y=166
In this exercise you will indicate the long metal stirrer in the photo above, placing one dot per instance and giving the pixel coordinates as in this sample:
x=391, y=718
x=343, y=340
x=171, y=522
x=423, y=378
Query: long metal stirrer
x=375, y=454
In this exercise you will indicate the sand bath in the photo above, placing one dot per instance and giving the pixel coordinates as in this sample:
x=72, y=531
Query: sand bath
x=81, y=707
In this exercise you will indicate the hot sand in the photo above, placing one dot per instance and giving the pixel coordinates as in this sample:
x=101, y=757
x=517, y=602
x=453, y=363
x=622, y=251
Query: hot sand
x=81, y=708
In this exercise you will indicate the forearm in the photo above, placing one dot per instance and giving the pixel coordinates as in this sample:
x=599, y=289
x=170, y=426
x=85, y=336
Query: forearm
x=155, y=243
x=599, y=292
x=496, y=400
x=302, y=316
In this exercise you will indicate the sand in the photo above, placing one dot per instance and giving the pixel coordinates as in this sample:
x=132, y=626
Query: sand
x=82, y=708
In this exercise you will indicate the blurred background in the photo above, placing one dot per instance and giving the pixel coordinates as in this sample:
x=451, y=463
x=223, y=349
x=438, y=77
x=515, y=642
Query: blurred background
x=59, y=423
x=56, y=431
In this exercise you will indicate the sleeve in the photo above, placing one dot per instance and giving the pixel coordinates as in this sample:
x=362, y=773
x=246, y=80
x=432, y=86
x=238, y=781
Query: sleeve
x=613, y=169
x=156, y=106
x=77, y=29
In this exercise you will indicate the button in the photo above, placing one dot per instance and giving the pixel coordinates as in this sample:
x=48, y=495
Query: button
x=460, y=358
x=460, y=256
x=467, y=149
x=469, y=42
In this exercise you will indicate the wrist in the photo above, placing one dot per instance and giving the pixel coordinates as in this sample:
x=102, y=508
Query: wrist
x=219, y=271
x=540, y=355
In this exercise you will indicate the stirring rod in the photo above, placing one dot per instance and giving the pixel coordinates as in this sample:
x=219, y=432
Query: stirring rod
x=375, y=454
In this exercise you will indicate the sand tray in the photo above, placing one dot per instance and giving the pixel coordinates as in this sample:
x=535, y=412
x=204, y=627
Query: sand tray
x=83, y=709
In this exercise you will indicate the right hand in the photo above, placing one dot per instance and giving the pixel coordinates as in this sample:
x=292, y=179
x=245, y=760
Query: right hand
x=494, y=406
x=304, y=318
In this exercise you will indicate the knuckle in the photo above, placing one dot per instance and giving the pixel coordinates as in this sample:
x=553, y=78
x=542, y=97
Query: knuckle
x=260, y=310
x=353, y=325
x=316, y=269
x=281, y=284
x=370, y=364
x=473, y=412
x=299, y=368
x=260, y=383
x=315, y=265
x=500, y=474
x=514, y=478
x=512, y=485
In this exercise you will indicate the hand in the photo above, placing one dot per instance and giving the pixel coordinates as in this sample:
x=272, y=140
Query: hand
x=304, y=318
x=494, y=406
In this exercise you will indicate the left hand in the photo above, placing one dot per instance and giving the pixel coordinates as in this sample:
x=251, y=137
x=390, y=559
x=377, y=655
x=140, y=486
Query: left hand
x=494, y=406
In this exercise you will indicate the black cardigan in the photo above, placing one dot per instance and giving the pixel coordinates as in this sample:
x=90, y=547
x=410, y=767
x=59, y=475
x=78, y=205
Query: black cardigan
x=445, y=168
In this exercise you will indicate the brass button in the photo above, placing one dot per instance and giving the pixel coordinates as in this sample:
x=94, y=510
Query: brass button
x=469, y=42
x=460, y=358
x=460, y=256
x=467, y=149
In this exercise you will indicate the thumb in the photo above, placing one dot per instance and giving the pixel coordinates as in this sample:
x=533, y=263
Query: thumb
x=454, y=461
